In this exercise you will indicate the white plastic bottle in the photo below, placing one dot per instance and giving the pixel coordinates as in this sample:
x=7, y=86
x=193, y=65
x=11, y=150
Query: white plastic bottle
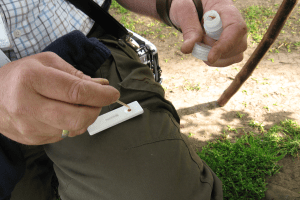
x=213, y=28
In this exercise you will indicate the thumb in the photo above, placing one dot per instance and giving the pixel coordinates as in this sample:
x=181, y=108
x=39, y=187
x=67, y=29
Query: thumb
x=184, y=15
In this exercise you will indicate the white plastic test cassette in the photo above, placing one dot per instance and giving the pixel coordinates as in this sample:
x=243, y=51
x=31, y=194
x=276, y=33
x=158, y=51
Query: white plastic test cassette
x=115, y=117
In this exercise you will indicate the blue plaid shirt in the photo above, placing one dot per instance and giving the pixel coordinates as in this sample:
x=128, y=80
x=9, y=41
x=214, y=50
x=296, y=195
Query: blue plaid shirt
x=34, y=24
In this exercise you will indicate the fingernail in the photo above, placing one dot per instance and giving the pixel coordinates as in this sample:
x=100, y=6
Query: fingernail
x=102, y=81
x=214, y=59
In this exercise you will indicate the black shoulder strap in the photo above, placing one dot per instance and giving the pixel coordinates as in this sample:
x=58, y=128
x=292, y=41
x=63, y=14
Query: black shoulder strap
x=101, y=17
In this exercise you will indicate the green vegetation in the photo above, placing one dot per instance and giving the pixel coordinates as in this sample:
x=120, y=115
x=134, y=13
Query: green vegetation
x=119, y=8
x=258, y=19
x=191, y=87
x=243, y=165
x=240, y=115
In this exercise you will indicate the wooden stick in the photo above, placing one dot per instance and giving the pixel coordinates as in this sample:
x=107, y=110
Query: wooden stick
x=124, y=104
x=269, y=38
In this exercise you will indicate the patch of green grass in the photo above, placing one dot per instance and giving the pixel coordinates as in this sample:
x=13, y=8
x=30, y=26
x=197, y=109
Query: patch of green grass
x=191, y=87
x=151, y=24
x=232, y=129
x=162, y=36
x=266, y=95
x=240, y=115
x=175, y=33
x=266, y=107
x=256, y=19
x=245, y=91
x=120, y=9
x=190, y=135
x=158, y=30
x=255, y=124
x=128, y=22
x=297, y=44
x=255, y=79
x=243, y=165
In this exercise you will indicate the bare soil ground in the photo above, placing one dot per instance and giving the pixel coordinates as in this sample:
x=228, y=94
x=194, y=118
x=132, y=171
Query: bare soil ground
x=270, y=95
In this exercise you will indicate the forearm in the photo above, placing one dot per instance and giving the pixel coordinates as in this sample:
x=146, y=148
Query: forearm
x=144, y=7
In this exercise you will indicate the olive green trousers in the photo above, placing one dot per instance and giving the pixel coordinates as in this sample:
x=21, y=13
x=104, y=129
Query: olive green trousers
x=144, y=158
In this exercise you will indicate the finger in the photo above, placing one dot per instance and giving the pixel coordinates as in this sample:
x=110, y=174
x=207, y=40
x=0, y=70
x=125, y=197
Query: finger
x=238, y=49
x=184, y=15
x=75, y=133
x=234, y=30
x=64, y=116
x=232, y=57
x=227, y=61
x=51, y=59
x=102, y=81
x=59, y=85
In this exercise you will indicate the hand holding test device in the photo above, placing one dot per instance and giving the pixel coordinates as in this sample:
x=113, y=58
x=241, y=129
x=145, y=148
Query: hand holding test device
x=103, y=122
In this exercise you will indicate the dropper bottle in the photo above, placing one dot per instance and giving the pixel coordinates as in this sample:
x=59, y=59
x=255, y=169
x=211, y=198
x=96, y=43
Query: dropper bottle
x=213, y=28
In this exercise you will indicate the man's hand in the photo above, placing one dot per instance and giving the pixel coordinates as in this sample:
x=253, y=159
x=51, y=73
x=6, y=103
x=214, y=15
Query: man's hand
x=233, y=41
x=41, y=95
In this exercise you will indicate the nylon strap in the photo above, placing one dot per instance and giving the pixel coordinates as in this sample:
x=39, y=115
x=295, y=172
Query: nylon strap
x=101, y=17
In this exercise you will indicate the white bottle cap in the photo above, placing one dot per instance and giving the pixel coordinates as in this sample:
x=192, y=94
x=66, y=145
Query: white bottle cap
x=213, y=28
x=213, y=24
x=201, y=51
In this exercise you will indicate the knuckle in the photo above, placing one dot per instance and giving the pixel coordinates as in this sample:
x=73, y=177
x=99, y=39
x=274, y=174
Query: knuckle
x=17, y=109
x=18, y=91
x=78, y=92
x=22, y=75
x=49, y=55
x=79, y=74
x=190, y=32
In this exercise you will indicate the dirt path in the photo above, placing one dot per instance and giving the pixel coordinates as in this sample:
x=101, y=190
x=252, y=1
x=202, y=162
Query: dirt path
x=270, y=95
x=275, y=83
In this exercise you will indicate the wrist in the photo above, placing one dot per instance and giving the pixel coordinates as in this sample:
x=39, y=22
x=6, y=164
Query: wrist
x=168, y=14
